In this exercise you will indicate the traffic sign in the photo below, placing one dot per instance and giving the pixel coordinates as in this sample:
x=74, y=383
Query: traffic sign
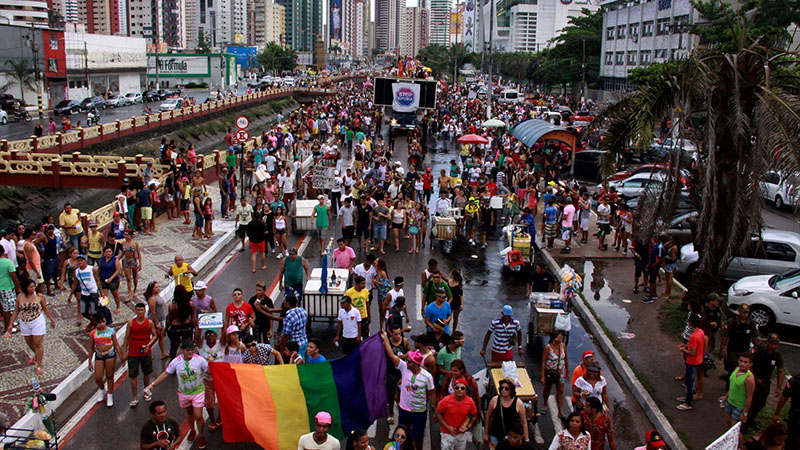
x=242, y=122
x=242, y=136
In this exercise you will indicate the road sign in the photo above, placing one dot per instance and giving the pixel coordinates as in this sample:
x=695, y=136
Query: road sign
x=242, y=122
x=242, y=136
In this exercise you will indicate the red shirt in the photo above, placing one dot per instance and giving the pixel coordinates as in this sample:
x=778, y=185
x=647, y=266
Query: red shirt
x=697, y=341
x=599, y=429
x=427, y=181
x=239, y=315
x=456, y=413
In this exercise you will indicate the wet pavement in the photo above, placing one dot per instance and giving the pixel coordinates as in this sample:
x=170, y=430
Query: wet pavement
x=487, y=288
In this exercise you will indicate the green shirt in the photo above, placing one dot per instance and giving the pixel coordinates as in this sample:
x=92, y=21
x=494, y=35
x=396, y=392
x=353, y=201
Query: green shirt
x=230, y=160
x=322, y=216
x=737, y=393
x=293, y=271
x=430, y=291
x=6, y=269
x=349, y=135
x=360, y=136
x=444, y=358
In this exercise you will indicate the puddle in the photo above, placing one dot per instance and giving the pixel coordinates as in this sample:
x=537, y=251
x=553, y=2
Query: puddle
x=597, y=292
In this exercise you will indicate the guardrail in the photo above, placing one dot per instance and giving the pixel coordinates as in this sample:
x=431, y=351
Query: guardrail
x=74, y=140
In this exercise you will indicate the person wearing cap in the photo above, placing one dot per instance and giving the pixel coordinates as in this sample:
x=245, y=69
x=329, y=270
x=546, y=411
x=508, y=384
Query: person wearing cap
x=87, y=280
x=653, y=441
x=70, y=221
x=416, y=391
x=201, y=301
x=191, y=370
x=457, y=413
x=95, y=241
x=319, y=439
x=506, y=330
x=322, y=217
x=737, y=335
x=766, y=360
x=348, y=326
x=473, y=212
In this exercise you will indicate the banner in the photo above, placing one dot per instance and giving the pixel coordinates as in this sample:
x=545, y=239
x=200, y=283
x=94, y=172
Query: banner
x=455, y=23
x=468, y=25
x=729, y=440
x=336, y=20
x=324, y=177
x=210, y=320
x=406, y=97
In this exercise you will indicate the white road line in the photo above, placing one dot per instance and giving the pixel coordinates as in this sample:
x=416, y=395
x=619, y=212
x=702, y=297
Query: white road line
x=418, y=301
x=553, y=411
x=537, y=435
x=791, y=344
x=88, y=405
x=186, y=445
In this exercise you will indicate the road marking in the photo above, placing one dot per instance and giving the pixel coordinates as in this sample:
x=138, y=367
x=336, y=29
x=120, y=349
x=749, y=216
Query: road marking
x=537, y=435
x=89, y=407
x=186, y=444
x=552, y=406
x=418, y=301
x=791, y=344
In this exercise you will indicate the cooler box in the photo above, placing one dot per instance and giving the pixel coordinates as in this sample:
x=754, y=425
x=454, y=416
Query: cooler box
x=444, y=228
x=496, y=202
x=303, y=215
x=546, y=300
x=521, y=243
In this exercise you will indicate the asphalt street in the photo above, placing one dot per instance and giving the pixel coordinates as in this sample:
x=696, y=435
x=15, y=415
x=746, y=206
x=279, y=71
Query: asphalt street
x=486, y=290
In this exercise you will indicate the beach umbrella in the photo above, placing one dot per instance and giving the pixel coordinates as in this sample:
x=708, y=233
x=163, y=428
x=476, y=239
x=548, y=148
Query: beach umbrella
x=472, y=139
x=493, y=123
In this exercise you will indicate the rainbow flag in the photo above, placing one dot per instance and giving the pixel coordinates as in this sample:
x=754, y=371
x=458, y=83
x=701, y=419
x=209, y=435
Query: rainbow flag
x=274, y=405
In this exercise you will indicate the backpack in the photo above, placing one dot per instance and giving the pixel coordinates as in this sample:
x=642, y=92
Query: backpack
x=395, y=317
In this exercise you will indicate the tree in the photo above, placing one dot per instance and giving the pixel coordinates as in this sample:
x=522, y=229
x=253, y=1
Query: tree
x=563, y=63
x=20, y=75
x=203, y=42
x=442, y=59
x=720, y=98
x=274, y=57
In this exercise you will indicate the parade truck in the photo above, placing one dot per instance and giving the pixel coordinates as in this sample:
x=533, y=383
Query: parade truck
x=405, y=100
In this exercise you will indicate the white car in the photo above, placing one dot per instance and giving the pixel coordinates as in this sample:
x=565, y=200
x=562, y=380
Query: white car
x=132, y=98
x=3, y=117
x=773, y=299
x=171, y=104
x=636, y=185
x=114, y=100
x=779, y=188
x=777, y=252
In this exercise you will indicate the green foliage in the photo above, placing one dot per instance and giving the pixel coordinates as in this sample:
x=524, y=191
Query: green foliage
x=193, y=85
x=442, y=59
x=644, y=75
x=767, y=22
x=20, y=75
x=562, y=64
x=518, y=66
x=203, y=42
x=274, y=57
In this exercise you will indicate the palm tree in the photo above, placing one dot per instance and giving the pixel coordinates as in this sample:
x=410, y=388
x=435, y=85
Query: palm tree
x=21, y=75
x=721, y=99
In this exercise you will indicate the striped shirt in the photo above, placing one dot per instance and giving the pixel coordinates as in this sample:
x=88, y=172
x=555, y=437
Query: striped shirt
x=294, y=325
x=503, y=334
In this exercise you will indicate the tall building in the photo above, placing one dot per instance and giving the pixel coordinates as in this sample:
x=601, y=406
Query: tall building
x=207, y=21
x=24, y=12
x=69, y=9
x=440, y=21
x=386, y=24
x=355, y=29
x=173, y=19
x=239, y=21
x=265, y=22
x=636, y=33
x=303, y=23
x=144, y=20
x=274, y=23
x=413, y=26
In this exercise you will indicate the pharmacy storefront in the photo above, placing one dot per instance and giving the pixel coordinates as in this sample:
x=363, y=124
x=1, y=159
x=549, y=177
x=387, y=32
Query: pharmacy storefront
x=196, y=70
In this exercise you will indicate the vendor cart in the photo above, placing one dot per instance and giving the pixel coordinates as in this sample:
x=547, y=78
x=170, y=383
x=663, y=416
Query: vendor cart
x=324, y=307
x=549, y=313
x=444, y=231
x=303, y=216
x=522, y=381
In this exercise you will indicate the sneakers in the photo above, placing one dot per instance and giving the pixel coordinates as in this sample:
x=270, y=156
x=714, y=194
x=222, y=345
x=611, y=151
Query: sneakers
x=565, y=250
x=192, y=435
x=286, y=253
x=280, y=255
x=648, y=299
x=636, y=290
x=273, y=249
x=110, y=400
x=101, y=396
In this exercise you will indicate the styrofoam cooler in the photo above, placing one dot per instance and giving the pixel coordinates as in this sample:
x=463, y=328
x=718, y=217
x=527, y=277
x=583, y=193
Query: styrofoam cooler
x=496, y=202
x=304, y=210
x=445, y=228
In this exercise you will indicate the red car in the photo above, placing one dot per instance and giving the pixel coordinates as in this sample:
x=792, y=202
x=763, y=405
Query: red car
x=582, y=116
x=645, y=168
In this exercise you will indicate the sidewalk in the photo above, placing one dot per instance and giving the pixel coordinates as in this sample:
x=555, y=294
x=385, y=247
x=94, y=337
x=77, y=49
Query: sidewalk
x=65, y=346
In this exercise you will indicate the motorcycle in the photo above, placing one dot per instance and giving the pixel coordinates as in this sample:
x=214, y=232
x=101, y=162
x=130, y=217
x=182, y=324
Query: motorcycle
x=19, y=116
x=92, y=118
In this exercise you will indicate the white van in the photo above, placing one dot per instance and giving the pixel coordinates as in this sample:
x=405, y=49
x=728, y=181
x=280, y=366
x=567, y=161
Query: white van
x=511, y=96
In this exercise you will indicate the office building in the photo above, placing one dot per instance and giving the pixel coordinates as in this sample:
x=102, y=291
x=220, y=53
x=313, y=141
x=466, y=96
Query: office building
x=266, y=22
x=440, y=21
x=355, y=29
x=413, y=26
x=24, y=12
x=386, y=24
x=303, y=19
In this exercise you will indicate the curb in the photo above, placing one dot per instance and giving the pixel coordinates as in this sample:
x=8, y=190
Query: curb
x=651, y=409
x=80, y=375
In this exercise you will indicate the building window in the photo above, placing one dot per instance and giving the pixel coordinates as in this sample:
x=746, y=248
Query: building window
x=609, y=58
x=633, y=29
x=620, y=58
x=610, y=33
x=644, y=57
x=52, y=65
x=661, y=53
x=647, y=28
x=662, y=27
x=631, y=58
x=621, y=32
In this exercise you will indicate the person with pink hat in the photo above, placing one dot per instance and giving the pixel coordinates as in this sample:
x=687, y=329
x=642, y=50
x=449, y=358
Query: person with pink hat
x=416, y=391
x=319, y=438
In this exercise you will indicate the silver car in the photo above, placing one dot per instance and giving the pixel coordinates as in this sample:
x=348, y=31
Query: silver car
x=777, y=252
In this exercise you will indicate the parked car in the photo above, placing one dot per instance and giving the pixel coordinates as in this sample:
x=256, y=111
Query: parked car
x=683, y=206
x=587, y=164
x=636, y=185
x=171, y=104
x=66, y=107
x=781, y=189
x=777, y=252
x=661, y=151
x=114, y=100
x=3, y=117
x=132, y=98
x=93, y=102
x=680, y=227
x=7, y=102
x=151, y=95
x=773, y=299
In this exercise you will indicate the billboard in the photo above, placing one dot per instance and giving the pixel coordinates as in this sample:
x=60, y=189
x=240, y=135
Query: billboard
x=455, y=23
x=384, y=92
x=176, y=65
x=468, y=25
x=244, y=55
x=336, y=20
x=405, y=97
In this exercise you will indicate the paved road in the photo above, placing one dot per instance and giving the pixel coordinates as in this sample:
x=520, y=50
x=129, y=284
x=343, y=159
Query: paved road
x=486, y=290
x=21, y=130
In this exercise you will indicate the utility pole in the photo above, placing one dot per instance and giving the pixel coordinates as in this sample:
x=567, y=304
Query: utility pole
x=490, y=91
x=36, y=70
x=583, y=69
x=86, y=67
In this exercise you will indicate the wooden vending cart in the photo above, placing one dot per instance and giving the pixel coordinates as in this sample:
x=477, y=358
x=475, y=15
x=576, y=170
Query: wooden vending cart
x=524, y=388
x=545, y=309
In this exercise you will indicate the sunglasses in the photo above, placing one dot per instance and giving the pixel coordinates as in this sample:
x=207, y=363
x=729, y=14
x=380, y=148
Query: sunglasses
x=592, y=371
x=251, y=345
x=399, y=436
x=505, y=388
x=460, y=388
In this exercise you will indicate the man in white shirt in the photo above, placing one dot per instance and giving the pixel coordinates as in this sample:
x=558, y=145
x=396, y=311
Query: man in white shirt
x=347, y=220
x=367, y=270
x=9, y=245
x=442, y=204
x=348, y=326
x=319, y=439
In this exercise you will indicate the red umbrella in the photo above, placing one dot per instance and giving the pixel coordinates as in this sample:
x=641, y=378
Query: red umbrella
x=472, y=139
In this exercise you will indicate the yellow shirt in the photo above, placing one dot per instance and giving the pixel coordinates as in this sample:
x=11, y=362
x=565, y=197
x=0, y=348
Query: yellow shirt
x=185, y=280
x=95, y=244
x=69, y=220
x=359, y=299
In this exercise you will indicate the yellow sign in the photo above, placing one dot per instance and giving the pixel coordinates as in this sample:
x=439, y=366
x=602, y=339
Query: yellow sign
x=238, y=39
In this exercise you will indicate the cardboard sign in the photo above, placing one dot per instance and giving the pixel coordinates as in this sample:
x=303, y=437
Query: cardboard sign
x=210, y=320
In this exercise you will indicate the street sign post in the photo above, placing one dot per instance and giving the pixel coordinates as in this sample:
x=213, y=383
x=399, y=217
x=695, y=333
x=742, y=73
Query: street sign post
x=242, y=136
x=242, y=122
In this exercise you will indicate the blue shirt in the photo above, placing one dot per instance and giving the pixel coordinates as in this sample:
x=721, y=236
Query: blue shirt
x=294, y=325
x=318, y=359
x=531, y=222
x=550, y=214
x=434, y=313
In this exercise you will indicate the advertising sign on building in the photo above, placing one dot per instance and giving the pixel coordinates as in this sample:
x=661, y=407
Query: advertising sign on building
x=336, y=20
x=174, y=65
x=468, y=25
x=406, y=97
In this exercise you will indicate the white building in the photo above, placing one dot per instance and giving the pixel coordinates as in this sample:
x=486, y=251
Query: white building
x=110, y=63
x=413, y=27
x=355, y=28
x=386, y=18
x=440, y=22
x=638, y=32
x=23, y=12
x=143, y=19
x=525, y=25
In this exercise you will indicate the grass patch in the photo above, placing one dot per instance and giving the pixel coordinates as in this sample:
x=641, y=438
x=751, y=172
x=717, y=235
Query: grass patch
x=672, y=319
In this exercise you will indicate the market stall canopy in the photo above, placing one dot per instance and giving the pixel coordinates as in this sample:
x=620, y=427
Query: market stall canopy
x=472, y=139
x=493, y=123
x=532, y=130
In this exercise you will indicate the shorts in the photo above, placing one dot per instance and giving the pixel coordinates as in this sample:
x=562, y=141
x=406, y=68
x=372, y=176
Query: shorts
x=280, y=231
x=321, y=233
x=669, y=267
x=566, y=233
x=416, y=421
x=397, y=226
x=348, y=232
x=605, y=229
x=455, y=441
x=379, y=232
x=50, y=269
x=135, y=362
x=184, y=205
x=640, y=267
x=196, y=400
x=362, y=230
x=504, y=356
x=8, y=300
x=550, y=230
x=486, y=227
x=472, y=222
x=241, y=231
x=36, y=327
x=146, y=212
x=100, y=357
x=36, y=276
x=111, y=286
x=584, y=224
x=259, y=247
x=89, y=304
x=198, y=220
x=130, y=263
x=733, y=411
